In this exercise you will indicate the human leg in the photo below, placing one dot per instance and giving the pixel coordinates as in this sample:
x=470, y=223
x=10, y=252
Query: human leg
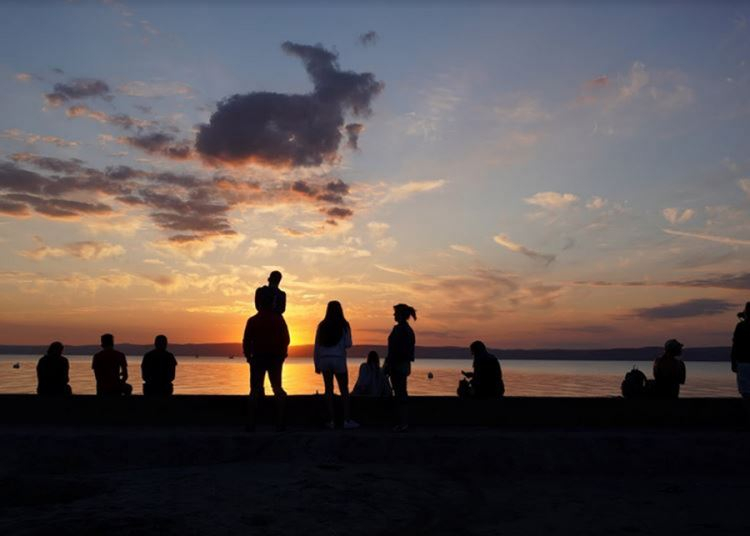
x=257, y=377
x=275, y=368
x=328, y=394
x=342, y=378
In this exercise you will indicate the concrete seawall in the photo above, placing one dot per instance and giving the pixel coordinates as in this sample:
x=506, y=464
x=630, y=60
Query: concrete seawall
x=427, y=411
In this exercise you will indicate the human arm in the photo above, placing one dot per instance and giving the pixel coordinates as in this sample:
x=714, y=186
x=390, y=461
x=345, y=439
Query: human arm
x=682, y=373
x=280, y=301
x=247, y=339
x=258, y=292
x=316, y=351
x=735, y=347
x=124, y=368
x=173, y=365
x=348, y=337
x=285, y=339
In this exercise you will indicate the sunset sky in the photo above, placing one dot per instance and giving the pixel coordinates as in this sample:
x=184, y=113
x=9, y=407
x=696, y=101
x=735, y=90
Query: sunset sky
x=565, y=176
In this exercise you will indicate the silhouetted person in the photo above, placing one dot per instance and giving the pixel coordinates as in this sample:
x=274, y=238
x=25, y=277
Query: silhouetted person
x=265, y=345
x=741, y=352
x=332, y=338
x=52, y=372
x=669, y=372
x=401, y=344
x=487, y=378
x=277, y=296
x=158, y=369
x=372, y=381
x=111, y=369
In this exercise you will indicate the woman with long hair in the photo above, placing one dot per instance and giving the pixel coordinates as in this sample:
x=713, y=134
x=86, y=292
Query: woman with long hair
x=52, y=372
x=401, y=344
x=332, y=338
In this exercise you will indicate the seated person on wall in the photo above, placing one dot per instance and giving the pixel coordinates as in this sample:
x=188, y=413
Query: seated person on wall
x=669, y=372
x=111, y=369
x=486, y=380
x=52, y=372
x=158, y=369
x=372, y=381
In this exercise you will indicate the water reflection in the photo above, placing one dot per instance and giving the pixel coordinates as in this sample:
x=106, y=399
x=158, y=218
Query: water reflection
x=522, y=378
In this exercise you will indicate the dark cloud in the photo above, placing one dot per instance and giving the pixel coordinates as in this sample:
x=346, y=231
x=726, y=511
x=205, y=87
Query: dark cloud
x=12, y=208
x=686, y=309
x=303, y=188
x=57, y=70
x=59, y=208
x=143, y=108
x=368, y=38
x=339, y=212
x=122, y=172
x=160, y=143
x=71, y=165
x=353, y=130
x=79, y=88
x=739, y=281
x=15, y=179
x=289, y=130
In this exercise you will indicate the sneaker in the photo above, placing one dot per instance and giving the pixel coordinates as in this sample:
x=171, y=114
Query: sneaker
x=330, y=425
x=350, y=424
x=400, y=428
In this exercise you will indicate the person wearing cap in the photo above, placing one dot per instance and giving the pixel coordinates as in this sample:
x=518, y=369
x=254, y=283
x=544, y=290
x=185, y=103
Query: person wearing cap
x=669, y=372
x=741, y=352
x=274, y=293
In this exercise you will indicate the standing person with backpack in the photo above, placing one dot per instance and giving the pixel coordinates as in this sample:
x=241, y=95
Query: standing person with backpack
x=401, y=343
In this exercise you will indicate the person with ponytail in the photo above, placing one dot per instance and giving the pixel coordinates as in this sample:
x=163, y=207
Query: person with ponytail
x=332, y=338
x=401, y=344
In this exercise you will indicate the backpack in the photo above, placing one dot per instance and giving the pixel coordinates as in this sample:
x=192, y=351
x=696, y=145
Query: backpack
x=634, y=384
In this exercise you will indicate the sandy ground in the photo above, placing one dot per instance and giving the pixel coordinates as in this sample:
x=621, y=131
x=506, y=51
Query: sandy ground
x=429, y=481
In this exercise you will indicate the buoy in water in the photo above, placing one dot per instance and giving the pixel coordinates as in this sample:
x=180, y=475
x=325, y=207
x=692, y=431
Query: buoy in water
x=16, y=365
x=430, y=375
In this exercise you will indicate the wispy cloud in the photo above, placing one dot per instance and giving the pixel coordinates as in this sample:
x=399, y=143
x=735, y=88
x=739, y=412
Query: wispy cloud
x=685, y=309
x=139, y=88
x=87, y=250
x=340, y=251
x=507, y=243
x=709, y=237
x=744, y=185
x=262, y=247
x=24, y=137
x=466, y=250
x=400, y=192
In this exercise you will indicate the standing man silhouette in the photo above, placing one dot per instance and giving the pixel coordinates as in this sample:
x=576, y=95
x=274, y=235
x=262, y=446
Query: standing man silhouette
x=277, y=296
x=265, y=345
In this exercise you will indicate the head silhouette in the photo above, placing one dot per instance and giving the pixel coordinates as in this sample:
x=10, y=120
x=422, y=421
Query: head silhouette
x=55, y=349
x=673, y=347
x=331, y=328
x=160, y=342
x=373, y=359
x=274, y=278
x=477, y=348
x=108, y=340
x=745, y=313
x=402, y=312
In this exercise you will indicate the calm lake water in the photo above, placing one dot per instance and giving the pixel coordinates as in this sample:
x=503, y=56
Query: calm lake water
x=213, y=375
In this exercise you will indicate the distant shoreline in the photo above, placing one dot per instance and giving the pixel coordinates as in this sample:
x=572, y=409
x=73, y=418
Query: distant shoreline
x=224, y=350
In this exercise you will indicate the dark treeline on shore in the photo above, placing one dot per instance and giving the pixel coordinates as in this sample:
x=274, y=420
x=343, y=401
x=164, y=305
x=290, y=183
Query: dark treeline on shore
x=711, y=353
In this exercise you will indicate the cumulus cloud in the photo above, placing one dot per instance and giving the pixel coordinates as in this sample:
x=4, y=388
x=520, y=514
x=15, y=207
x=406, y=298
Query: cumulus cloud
x=596, y=203
x=744, y=185
x=337, y=251
x=378, y=228
x=675, y=216
x=507, y=243
x=79, y=88
x=278, y=129
x=368, y=38
x=87, y=250
x=20, y=136
x=685, y=309
x=551, y=200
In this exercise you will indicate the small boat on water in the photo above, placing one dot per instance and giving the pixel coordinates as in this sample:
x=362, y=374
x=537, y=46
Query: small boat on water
x=16, y=365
